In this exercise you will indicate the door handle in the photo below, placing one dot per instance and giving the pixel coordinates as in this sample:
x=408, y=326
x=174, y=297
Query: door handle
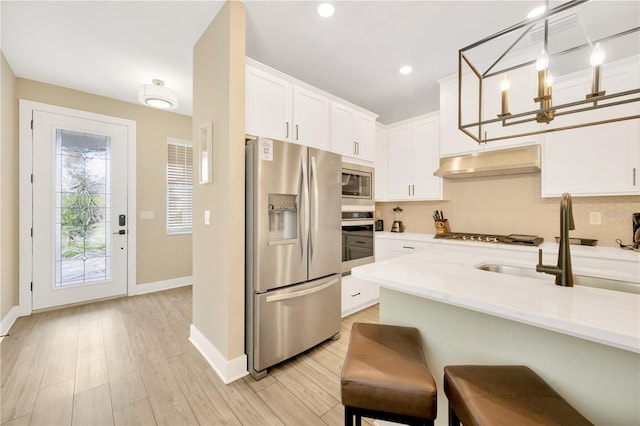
x=121, y=232
x=277, y=298
x=122, y=220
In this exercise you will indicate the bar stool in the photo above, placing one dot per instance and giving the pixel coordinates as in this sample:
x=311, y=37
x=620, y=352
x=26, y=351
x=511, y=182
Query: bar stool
x=504, y=395
x=385, y=376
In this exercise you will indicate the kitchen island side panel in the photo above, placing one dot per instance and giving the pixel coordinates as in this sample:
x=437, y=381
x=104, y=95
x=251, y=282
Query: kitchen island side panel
x=602, y=382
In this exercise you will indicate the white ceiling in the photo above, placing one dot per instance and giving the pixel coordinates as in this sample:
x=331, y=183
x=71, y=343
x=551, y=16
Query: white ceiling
x=109, y=48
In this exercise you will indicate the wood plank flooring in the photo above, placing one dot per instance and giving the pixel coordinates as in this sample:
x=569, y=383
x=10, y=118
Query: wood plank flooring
x=128, y=361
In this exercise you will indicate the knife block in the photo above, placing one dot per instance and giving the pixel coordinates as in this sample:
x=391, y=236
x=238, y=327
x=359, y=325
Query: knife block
x=442, y=226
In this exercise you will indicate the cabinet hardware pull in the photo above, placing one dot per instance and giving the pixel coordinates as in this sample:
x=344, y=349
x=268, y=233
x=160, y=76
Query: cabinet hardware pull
x=355, y=149
x=634, y=176
x=297, y=132
x=409, y=247
x=287, y=129
x=413, y=190
x=357, y=294
x=360, y=242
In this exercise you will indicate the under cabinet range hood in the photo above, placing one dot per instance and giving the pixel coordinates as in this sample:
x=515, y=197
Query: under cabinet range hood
x=523, y=159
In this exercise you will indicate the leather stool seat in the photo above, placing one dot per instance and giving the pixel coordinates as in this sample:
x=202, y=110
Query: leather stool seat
x=385, y=376
x=504, y=395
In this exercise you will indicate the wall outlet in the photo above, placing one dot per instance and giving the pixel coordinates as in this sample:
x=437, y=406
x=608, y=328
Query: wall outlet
x=207, y=217
x=595, y=218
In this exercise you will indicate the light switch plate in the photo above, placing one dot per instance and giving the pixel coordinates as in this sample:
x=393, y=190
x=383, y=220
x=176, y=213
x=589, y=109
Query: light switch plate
x=207, y=217
x=595, y=218
x=147, y=215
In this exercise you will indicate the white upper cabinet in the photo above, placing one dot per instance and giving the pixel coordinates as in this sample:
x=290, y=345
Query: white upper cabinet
x=279, y=109
x=268, y=105
x=597, y=160
x=310, y=118
x=413, y=155
x=382, y=164
x=453, y=141
x=352, y=132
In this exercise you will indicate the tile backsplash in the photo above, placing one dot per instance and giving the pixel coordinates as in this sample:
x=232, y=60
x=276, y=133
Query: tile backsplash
x=512, y=205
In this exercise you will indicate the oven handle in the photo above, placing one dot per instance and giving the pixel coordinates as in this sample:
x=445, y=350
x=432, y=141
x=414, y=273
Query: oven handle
x=358, y=222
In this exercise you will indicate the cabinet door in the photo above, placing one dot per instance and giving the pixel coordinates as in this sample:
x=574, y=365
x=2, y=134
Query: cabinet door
x=382, y=164
x=595, y=160
x=400, y=162
x=311, y=118
x=426, y=159
x=453, y=141
x=268, y=105
x=365, y=132
x=343, y=140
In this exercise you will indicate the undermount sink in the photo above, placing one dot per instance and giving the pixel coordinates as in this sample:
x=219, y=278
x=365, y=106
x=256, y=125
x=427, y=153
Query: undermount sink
x=584, y=280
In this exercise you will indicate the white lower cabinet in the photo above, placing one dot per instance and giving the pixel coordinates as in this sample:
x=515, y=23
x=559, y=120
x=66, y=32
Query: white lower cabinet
x=401, y=247
x=358, y=294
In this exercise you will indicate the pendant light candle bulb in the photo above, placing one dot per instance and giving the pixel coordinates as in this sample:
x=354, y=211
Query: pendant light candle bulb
x=542, y=63
x=505, y=84
x=504, y=88
x=597, y=55
x=549, y=80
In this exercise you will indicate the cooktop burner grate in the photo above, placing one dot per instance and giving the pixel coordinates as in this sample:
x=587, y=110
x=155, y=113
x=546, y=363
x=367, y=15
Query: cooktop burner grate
x=517, y=239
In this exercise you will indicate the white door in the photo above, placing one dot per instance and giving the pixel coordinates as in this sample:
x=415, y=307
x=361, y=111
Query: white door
x=79, y=209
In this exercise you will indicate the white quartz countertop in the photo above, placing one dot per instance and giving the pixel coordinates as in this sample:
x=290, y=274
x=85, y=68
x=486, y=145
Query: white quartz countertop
x=608, y=317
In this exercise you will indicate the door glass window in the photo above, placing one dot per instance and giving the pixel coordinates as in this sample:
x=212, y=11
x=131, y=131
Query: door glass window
x=82, y=208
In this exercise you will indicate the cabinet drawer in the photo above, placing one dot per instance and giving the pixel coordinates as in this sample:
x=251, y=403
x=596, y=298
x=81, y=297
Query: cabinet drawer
x=358, y=294
x=408, y=246
x=357, y=241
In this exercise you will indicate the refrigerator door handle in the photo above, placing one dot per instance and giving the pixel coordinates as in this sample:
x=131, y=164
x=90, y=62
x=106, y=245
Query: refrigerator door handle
x=316, y=206
x=303, y=207
x=277, y=298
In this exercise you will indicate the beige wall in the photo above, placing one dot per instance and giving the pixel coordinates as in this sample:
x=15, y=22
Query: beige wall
x=159, y=256
x=8, y=190
x=512, y=204
x=218, y=260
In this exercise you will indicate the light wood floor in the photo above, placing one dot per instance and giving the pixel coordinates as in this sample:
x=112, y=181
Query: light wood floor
x=128, y=361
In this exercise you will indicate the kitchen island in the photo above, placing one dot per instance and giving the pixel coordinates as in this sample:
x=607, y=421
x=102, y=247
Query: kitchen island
x=585, y=342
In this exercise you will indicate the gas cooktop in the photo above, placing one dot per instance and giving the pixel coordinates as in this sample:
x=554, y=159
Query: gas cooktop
x=524, y=240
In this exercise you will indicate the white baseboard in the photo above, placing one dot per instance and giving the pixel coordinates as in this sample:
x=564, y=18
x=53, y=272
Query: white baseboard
x=228, y=371
x=160, y=285
x=7, y=322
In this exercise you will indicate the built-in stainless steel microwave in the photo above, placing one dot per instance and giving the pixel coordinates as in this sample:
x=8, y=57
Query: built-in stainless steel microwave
x=357, y=184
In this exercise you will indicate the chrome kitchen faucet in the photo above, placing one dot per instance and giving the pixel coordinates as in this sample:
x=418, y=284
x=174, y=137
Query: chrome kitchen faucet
x=563, y=272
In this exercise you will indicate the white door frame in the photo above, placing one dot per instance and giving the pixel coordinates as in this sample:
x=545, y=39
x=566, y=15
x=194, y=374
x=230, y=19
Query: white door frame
x=26, y=109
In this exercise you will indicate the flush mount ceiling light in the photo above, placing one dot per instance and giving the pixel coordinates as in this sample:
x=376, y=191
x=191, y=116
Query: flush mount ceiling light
x=157, y=96
x=326, y=10
x=589, y=87
x=406, y=69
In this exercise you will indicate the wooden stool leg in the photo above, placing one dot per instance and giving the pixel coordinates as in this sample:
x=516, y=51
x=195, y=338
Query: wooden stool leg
x=453, y=417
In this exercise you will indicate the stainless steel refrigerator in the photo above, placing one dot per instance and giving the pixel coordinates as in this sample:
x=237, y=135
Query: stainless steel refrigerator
x=293, y=250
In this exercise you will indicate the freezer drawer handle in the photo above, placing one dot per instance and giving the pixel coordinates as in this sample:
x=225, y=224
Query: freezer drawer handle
x=300, y=293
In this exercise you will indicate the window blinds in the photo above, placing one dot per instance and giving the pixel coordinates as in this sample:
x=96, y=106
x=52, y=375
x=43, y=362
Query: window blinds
x=179, y=188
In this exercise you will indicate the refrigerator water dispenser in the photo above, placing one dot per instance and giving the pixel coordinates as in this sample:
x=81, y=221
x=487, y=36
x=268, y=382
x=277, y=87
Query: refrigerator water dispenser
x=283, y=218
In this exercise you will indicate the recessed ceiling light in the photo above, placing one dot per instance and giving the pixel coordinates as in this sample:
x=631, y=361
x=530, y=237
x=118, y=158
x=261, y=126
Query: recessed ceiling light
x=537, y=11
x=326, y=10
x=406, y=69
